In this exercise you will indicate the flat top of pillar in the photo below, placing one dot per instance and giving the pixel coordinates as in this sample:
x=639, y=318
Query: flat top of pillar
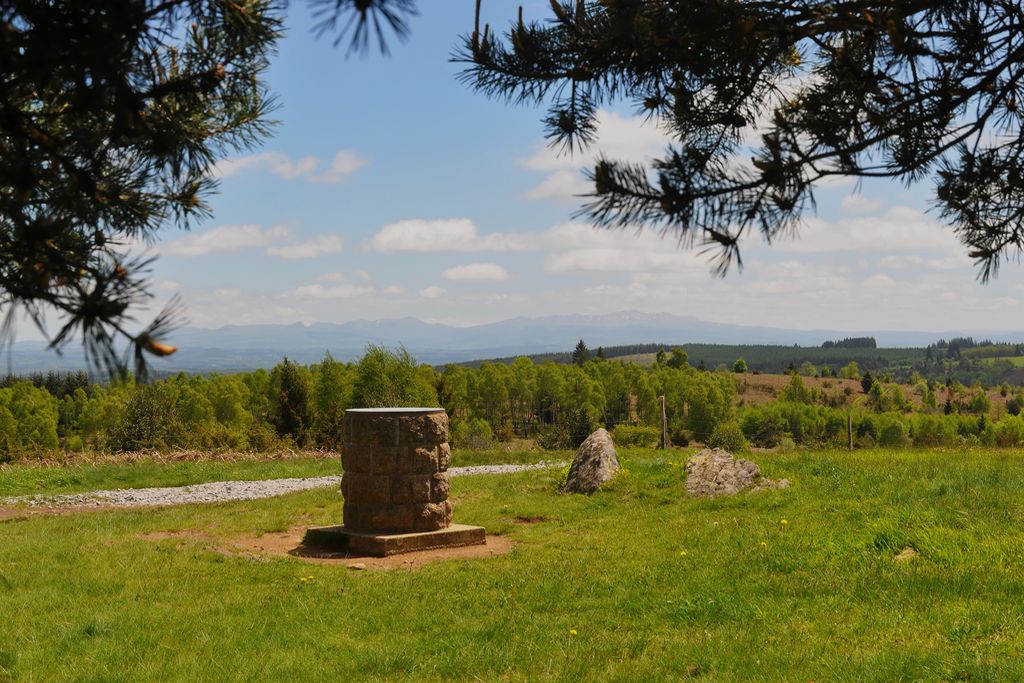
x=394, y=411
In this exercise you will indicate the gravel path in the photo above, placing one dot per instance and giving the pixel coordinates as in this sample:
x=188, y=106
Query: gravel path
x=218, y=491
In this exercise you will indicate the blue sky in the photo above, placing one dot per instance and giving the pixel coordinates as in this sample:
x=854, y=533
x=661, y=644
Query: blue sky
x=389, y=189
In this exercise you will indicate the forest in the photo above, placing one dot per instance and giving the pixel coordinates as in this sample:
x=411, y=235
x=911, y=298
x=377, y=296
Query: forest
x=549, y=405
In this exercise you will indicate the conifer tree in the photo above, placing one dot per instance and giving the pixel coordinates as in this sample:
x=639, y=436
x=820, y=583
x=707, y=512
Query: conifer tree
x=902, y=89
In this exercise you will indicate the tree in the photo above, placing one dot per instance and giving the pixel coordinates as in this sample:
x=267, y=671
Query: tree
x=390, y=379
x=740, y=366
x=112, y=117
x=900, y=89
x=293, y=407
x=678, y=359
x=581, y=354
x=850, y=371
x=867, y=381
x=796, y=391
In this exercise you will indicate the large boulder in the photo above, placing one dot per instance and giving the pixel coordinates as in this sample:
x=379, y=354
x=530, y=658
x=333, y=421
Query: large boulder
x=715, y=472
x=594, y=465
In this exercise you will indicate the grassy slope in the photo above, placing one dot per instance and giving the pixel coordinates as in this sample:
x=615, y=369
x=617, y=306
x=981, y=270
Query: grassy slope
x=84, y=597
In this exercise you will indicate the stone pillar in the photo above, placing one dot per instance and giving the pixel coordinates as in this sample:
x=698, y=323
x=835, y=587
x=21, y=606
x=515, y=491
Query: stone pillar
x=395, y=463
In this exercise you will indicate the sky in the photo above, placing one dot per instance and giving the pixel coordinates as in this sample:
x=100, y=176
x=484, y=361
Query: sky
x=389, y=189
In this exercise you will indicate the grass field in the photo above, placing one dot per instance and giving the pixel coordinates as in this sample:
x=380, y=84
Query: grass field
x=139, y=471
x=636, y=583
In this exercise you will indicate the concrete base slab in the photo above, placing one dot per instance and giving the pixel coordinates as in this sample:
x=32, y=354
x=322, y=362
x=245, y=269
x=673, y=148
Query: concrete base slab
x=340, y=539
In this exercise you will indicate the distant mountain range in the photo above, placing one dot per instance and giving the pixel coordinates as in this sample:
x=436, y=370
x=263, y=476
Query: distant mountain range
x=245, y=347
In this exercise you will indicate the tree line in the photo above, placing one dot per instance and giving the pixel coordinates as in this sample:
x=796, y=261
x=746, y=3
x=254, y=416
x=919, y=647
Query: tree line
x=293, y=406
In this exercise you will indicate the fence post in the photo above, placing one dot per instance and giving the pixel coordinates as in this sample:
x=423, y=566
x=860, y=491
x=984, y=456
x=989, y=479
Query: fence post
x=664, y=424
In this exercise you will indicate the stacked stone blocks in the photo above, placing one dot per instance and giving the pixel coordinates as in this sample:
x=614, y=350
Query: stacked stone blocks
x=396, y=471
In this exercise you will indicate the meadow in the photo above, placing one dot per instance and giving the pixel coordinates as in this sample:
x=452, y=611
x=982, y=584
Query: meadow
x=637, y=582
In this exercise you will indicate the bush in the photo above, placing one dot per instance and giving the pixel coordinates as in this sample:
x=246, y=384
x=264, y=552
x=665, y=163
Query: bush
x=933, y=430
x=1010, y=431
x=728, y=436
x=893, y=435
x=636, y=437
x=553, y=438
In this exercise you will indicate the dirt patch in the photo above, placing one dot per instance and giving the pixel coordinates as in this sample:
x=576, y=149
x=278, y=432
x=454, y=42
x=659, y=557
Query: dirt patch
x=532, y=520
x=289, y=544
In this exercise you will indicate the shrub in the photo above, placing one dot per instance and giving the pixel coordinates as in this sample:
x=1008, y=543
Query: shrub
x=553, y=438
x=728, y=436
x=786, y=444
x=933, y=430
x=641, y=436
x=1010, y=431
x=893, y=434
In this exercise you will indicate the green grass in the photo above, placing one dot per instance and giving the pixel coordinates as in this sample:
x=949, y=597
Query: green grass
x=31, y=479
x=74, y=478
x=84, y=597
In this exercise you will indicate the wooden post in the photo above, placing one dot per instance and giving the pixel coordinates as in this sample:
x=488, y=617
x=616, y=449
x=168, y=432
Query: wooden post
x=849, y=429
x=664, y=424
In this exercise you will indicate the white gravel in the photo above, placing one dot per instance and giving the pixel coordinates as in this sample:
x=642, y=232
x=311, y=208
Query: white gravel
x=219, y=491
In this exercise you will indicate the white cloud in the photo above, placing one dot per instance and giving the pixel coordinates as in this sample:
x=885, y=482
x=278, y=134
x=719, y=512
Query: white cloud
x=561, y=184
x=898, y=228
x=458, y=234
x=318, y=291
x=476, y=271
x=345, y=163
x=433, y=292
x=225, y=238
x=625, y=138
x=278, y=163
x=579, y=247
x=318, y=245
x=231, y=238
x=858, y=204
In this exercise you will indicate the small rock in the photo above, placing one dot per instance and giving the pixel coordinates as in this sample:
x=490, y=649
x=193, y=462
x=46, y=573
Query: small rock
x=594, y=465
x=715, y=472
x=905, y=555
x=357, y=566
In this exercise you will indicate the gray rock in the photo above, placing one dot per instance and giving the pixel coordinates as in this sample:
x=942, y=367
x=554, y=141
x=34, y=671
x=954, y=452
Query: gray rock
x=715, y=472
x=594, y=465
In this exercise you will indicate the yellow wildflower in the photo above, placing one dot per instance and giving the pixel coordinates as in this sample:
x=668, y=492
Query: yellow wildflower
x=572, y=632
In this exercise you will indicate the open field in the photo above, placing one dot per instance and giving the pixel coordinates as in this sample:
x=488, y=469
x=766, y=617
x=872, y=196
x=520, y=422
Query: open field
x=634, y=583
x=140, y=470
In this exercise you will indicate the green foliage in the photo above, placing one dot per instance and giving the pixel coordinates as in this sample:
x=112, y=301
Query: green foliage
x=850, y=371
x=112, y=138
x=630, y=436
x=1009, y=432
x=740, y=366
x=679, y=359
x=980, y=403
x=391, y=379
x=706, y=72
x=893, y=434
x=796, y=391
x=476, y=434
x=293, y=401
x=581, y=354
x=728, y=436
